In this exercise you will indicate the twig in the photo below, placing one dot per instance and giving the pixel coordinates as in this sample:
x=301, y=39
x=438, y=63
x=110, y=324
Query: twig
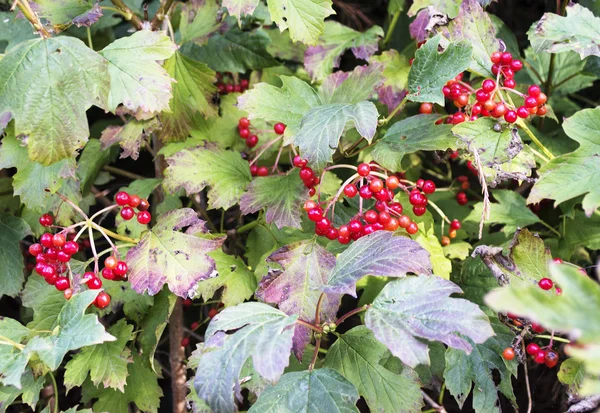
x=118, y=171
x=530, y=402
x=485, y=213
x=432, y=403
x=55, y=387
x=161, y=13
x=30, y=15
x=351, y=313
x=128, y=15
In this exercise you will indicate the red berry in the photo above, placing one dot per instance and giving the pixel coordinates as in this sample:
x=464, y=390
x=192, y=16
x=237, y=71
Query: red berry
x=522, y=112
x=419, y=210
x=71, y=247
x=122, y=198
x=371, y=216
x=363, y=169
x=306, y=174
x=429, y=187
x=58, y=240
x=457, y=118
x=46, y=220
x=510, y=116
x=426, y=108
x=237, y=88
x=262, y=171
x=412, y=228
x=532, y=349
x=530, y=102
x=134, y=201
x=384, y=217
x=244, y=83
x=404, y=221
x=244, y=123
x=312, y=191
x=419, y=183
x=62, y=283
x=506, y=58
x=534, y=90
x=540, y=357
x=229, y=88
x=557, y=260
x=508, y=353
x=299, y=162
x=51, y=253
x=120, y=269
x=495, y=68
x=461, y=198
x=212, y=312
x=108, y=274
x=244, y=133
x=110, y=262
x=185, y=342
x=508, y=73
x=355, y=226
x=541, y=98
x=537, y=328
x=496, y=57
x=94, y=283
x=350, y=190
x=279, y=128
x=144, y=205
x=127, y=213
x=187, y=302
x=144, y=217
x=194, y=325
x=455, y=224
x=62, y=256
x=488, y=85
x=382, y=195
x=376, y=185
x=68, y=293
x=251, y=141
x=315, y=214
x=396, y=207
x=446, y=91
x=551, y=358
x=510, y=83
x=392, y=182
x=368, y=229
x=46, y=240
x=102, y=300
x=35, y=249
x=516, y=65
x=481, y=95
x=365, y=192
x=545, y=284
x=332, y=234
x=253, y=170
x=323, y=225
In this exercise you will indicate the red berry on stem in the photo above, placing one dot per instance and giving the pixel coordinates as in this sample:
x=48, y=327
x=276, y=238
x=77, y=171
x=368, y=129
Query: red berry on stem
x=315, y=214
x=537, y=328
x=144, y=217
x=488, y=85
x=253, y=170
x=516, y=65
x=542, y=98
x=185, y=342
x=481, y=95
x=510, y=83
x=244, y=133
x=58, y=240
x=532, y=349
x=244, y=123
x=122, y=198
x=508, y=354
x=363, y=169
x=35, y=249
x=551, y=358
x=540, y=357
x=46, y=220
x=332, y=234
x=496, y=57
x=299, y=162
x=371, y=216
x=350, y=190
x=244, y=83
x=384, y=217
x=412, y=228
x=102, y=300
x=355, y=226
x=376, y=185
x=62, y=283
x=522, y=112
x=143, y=205
x=262, y=171
x=46, y=240
x=426, y=108
x=62, y=256
x=120, y=269
x=71, y=247
x=279, y=128
x=545, y=284
x=510, y=116
x=212, y=313
x=127, y=213
x=306, y=174
x=323, y=225
x=94, y=283
x=392, y=182
x=68, y=293
x=134, y=201
x=534, y=90
x=455, y=224
x=251, y=141
x=429, y=187
x=108, y=274
x=365, y=192
x=404, y=221
x=419, y=210
x=382, y=195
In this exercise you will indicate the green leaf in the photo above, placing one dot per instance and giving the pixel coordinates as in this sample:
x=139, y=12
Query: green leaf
x=287, y=104
x=320, y=60
x=13, y=356
x=304, y=18
x=198, y=20
x=282, y=47
x=105, y=363
x=29, y=391
x=61, y=70
x=234, y=51
x=457, y=250
x=72, y=330
x=62, y=13
x=261, y=332
x=323, y=126
x=441, y=266
x=92, y=159
x=225, y=171
x=45, y=300
x=510, y=211
x=448, y=7
x=474, y=26
x=477, y=369
x=475, y=279
x=582, y=231
x=154, y=322
x=238, y=281
x=167, y=256
x=13, y=30
x=12, y=230
x=239, y=8
x=568, y=176
x=431, y=69
x=323, y=390
x=140, y=83
x=135, y=306
x=416, y=133
x=578, y=32
x=130, y=136
x=352, y=87
x=396, y=70
x=358, y=356
x=281, y=195
x=192, y=94
x=421, y=307
x=571, y=373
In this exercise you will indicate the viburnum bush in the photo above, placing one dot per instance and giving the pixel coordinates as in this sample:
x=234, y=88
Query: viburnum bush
x=299, y=206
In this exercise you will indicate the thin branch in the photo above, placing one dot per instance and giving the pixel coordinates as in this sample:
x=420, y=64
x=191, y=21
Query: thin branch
x=351, y=313
x=30, y=15
x=161, y=13
x=432, y=403
x=530, y=402
x=122, y=172
x=128, y=15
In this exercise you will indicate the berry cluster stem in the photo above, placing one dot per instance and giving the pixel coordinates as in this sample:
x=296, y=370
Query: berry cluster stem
x=351, y=313
x=547, y=337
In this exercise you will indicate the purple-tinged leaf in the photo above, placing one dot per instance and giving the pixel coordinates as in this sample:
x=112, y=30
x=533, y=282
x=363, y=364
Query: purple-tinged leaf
x=389, y=97
x=381, y=254
x=421, y=307
x=167, y=256
x=296, y=274
x=281, y=195
x=418, y=27
x=129, y=136
x=88, y=18
x=353, y=87
x=396, y=68
x=5, y=117
x=261, y=332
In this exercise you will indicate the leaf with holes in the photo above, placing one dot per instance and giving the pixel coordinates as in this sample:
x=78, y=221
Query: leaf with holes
x=130, y=136
x=236, y=279
x=304, y=18
x=166, y=255
x=352, y=87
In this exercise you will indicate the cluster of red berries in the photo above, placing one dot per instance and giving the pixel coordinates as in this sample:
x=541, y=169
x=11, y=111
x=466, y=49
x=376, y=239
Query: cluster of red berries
x=226, y=84
x=252, y=140
x=52, y=255
x=129, y=202
x=455, y=225
x=545, y=355
x=487, y=100
x=307, y=175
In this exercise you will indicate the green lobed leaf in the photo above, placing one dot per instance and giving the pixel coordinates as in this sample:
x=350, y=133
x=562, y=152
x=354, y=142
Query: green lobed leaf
x=568, y=176
x=134, y=305
x=448, y=7
x=582, y=231
x=431, y=69
x=282, y=46
x=92, y=159
x=281, y=195
x=571, y=373
x=304, y=18
x=238, y=282
x=358, y=356
x=198, y=20
x=261, y=332
x=371, y=255
x=192, y=94
x=510, y=211
x=62, y=70
x=13, y=356
x=62, y=14
x=130, y=136
x=475, y=279
x=153, y=324
x=578, y=31
x=440, y=265
x=193, y=169
x=320, y=60
x=105, y=363
x=167, y=256
x=352, y=87
x=421, y=307
x=12, y=230
x=13, y=31
x=140, y=83
x=323, y=390
x=29, y=391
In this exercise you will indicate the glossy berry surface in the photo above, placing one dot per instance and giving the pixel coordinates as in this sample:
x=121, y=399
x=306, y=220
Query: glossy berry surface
x=46, y=220
x=144, y=217
x=508, y=354
x=545, y=284
x=279, y=128
x=102, y=300
x=122, y=198
x=127, y=213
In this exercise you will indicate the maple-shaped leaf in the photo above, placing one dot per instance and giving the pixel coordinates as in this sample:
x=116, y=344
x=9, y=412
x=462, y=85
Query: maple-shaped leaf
x=192, y=95
x=105, y=363
x=140, y=83
x=234, y=51
x=281, y=195
x=296, y=274
x=224, y=171
x=381, y=254
x=320, y=60
x=359, y=356
x=61, y=14
x=166, y=255
x=239, y=8
x=304, y=18
x=261, y=332
x=573, y=174
x=322, y=127
x=431, y=69
x=12, y=231
x=474, y=26
x=29, y=392
x=415, y=133
x=45, y=301
x=352, y=87
x=129, y=136
x=288, y=103
x=416, y=308
x=478, y=368
x=510, y=210
x=61, y=70
x=13, y=355
x=198, y=20
x=236, y=279
x=577, y=31
x=396, y=68
x=323, y=390
x=13, y=31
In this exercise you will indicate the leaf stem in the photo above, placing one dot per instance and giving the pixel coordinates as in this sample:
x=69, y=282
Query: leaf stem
x=161, y=13
x=55, y=387
x=311, y=366
x=535, y=140
x=247, y=227
x=550, y=228
x=351, y=313
x=73, y=205
x=118, y=236
x=128, y=14
x=30, y=15
x=309, y=325
x=562, y=340
x=89, y=38
x=122, y=172
x=9, y=342
x=393, y=113
x=390, y=30
x=439, y=211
